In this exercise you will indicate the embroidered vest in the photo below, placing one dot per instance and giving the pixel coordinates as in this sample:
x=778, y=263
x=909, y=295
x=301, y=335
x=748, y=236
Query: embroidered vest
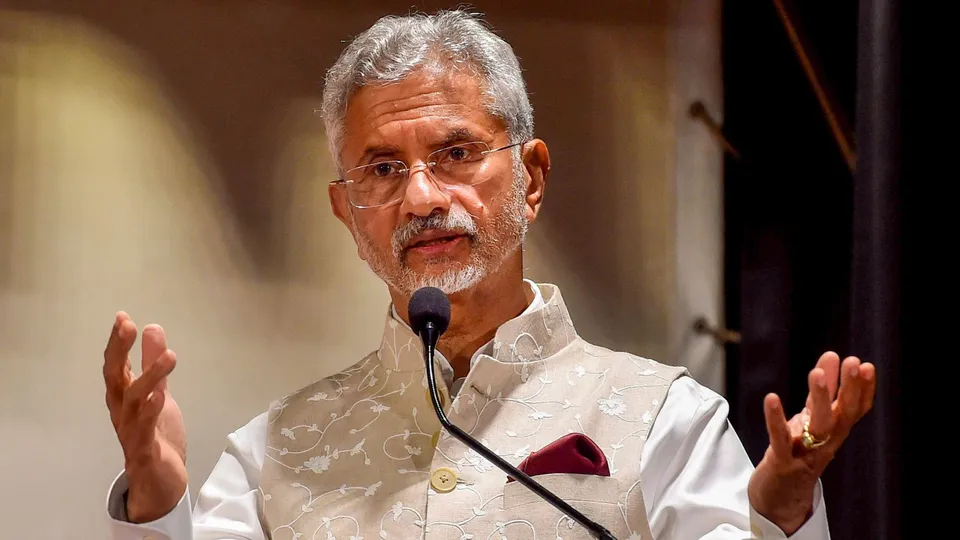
x=361, y=454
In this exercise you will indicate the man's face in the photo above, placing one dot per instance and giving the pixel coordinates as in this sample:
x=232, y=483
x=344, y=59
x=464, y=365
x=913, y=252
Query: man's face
x=438, y=234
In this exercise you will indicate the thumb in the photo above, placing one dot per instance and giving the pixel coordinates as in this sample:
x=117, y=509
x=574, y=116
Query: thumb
x=153, y=344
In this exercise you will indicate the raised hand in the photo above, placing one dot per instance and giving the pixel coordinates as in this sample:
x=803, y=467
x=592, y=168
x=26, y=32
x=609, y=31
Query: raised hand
x=781, y=489
x=147, y=420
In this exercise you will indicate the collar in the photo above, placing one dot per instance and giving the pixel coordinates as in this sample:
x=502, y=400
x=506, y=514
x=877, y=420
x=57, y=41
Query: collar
x=542, y=330
x=446, y=370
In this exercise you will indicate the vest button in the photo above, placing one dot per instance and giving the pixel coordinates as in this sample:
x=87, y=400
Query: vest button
x=443, y=480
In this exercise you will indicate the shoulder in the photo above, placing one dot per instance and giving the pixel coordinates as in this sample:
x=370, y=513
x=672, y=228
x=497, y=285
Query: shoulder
x=689, y=407
x=246, y=444
x=331, y=393
x=629, y=365
x=332, y=386
x=686, y=400
x=687, y=394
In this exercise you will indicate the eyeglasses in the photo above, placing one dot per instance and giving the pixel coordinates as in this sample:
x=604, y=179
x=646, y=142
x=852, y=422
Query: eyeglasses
x=383, y=182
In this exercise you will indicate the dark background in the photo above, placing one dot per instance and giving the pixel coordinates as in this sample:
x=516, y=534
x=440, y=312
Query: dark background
x=814, y=251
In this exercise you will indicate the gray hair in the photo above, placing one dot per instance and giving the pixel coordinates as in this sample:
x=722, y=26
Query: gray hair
x=394, y=47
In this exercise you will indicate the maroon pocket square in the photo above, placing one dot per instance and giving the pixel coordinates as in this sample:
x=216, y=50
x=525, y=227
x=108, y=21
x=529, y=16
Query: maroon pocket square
x=574, y=453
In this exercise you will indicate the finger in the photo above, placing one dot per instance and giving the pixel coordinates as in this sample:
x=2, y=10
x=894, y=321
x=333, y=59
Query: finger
x=149, y=381
x=153, y=343
x=829, y=362
x=780, y=440
x=868, y=374
x=116, y=361
x=820, y=404
x=848, y=402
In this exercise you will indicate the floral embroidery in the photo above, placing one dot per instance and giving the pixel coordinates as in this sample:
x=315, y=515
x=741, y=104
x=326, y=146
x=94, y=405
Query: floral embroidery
x=317, y=464
x=541, y=377
x=613, y=407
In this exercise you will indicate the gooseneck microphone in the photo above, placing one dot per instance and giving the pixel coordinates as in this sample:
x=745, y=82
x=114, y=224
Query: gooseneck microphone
x=429, y=313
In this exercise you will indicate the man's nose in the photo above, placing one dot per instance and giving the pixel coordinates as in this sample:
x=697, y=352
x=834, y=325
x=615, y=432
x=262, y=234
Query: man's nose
x=424, y=195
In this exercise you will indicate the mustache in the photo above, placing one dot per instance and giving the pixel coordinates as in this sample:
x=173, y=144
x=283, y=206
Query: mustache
x=456, y=220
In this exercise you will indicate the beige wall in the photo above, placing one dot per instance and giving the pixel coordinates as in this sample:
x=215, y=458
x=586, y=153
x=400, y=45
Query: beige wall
x=164, y=158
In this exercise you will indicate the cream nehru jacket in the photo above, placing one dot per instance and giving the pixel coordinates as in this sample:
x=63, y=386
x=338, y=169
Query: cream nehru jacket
x=360, y=454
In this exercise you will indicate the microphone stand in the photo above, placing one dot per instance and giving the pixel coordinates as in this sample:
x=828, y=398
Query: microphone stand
x=429, y=338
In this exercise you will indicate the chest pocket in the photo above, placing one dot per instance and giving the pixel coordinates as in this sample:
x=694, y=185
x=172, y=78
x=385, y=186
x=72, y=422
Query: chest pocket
x=595, y=496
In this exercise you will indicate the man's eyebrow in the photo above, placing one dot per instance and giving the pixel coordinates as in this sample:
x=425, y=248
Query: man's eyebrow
x=458, y=136
x=378, y=150
x=455, y=136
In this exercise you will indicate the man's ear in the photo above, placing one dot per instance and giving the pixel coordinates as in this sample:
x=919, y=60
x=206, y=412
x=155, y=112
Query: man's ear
x=344, y=212
x=340, y=205
x=536, y=162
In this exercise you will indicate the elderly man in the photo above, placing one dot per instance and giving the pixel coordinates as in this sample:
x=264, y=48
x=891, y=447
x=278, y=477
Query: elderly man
x=430, y=124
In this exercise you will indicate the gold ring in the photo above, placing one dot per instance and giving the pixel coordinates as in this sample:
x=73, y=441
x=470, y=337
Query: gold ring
x=809, y=441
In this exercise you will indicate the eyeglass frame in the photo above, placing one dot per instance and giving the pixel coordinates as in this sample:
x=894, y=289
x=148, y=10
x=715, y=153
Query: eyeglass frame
x=427, y=166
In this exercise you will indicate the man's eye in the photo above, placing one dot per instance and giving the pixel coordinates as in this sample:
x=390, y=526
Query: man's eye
x=383, y=169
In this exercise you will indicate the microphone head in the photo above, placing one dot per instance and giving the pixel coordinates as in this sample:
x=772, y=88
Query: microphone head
x=429, y=304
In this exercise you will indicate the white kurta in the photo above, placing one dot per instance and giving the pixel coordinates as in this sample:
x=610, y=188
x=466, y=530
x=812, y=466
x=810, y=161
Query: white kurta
x=693, y=472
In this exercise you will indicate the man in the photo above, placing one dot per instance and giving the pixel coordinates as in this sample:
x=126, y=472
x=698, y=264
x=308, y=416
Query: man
x=429, y=122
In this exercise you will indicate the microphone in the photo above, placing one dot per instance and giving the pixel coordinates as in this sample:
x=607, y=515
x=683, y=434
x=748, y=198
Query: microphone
x=429, y=313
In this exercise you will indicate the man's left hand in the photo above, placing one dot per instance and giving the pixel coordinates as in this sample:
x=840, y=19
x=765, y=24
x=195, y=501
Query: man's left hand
x=782, y=487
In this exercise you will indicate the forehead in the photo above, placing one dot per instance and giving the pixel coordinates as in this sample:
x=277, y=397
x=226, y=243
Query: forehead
x=421, y=109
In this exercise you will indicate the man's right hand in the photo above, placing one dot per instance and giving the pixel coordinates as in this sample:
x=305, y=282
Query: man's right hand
x=147, y=420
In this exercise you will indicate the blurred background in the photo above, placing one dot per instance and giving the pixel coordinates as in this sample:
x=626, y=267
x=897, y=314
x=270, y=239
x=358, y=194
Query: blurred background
x=708, y=207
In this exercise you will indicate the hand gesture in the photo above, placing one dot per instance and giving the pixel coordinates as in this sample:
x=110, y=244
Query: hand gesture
x=781, y=489
x=147, y=420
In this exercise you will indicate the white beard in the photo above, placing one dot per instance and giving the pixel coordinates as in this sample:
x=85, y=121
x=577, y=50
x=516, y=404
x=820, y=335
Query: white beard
x=450, y=281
